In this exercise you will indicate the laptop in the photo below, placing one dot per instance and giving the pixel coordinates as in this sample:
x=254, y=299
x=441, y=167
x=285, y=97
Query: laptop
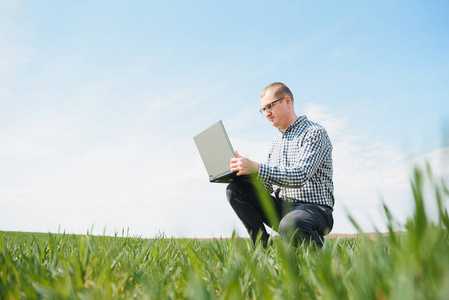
x=216, y=152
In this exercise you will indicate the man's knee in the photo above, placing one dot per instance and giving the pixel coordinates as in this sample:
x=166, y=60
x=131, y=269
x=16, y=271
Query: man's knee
x=290, y=226
x=295, y=229
x=237, y=191
x=231, y=190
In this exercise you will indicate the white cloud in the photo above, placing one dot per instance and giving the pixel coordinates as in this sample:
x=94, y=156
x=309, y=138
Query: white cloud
x=438, y=160
x=321, y=114
x=146, y=184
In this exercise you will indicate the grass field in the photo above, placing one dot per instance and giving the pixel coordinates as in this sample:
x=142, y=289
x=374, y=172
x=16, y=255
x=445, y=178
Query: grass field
x=412, y=265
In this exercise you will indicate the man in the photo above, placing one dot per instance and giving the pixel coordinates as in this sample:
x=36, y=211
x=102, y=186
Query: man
x=296, y=196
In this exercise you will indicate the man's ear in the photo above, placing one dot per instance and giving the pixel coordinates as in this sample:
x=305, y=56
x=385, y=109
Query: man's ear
x=288, y=101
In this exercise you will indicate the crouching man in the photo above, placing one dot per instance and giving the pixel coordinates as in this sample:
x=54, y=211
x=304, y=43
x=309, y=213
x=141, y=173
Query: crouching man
x=293, y=190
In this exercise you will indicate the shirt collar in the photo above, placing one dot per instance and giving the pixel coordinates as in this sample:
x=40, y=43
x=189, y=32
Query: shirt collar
x=296, y=123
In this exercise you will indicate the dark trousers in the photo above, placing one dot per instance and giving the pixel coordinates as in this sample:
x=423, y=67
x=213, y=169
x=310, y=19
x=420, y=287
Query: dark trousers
x=296, y=222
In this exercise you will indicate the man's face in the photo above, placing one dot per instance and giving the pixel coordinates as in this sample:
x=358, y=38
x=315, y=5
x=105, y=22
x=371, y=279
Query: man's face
x=277, y=115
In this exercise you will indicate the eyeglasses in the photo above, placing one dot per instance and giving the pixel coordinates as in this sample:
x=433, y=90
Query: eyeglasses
x=269, y=107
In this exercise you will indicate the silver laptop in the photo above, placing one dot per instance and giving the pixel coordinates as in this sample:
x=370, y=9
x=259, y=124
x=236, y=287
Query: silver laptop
x=216, y=152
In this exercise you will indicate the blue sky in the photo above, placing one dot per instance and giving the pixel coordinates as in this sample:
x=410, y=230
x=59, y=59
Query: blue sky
x=99, y=102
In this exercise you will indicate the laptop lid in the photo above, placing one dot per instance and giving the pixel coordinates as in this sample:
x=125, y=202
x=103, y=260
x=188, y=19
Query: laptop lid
x=216, y=152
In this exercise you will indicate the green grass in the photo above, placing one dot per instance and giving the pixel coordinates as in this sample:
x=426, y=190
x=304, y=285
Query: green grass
x=412, y=265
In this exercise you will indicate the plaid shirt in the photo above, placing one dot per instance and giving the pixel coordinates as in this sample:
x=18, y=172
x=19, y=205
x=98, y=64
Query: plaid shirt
x=300, y=164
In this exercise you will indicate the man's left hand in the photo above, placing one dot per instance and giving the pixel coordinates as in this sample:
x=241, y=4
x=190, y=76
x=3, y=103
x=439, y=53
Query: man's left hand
x=243, y=165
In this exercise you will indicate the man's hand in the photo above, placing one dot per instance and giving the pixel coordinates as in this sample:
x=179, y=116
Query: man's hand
x=243, y=166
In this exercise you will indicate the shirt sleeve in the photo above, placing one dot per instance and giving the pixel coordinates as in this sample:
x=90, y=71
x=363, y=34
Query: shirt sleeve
x=305, y=162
